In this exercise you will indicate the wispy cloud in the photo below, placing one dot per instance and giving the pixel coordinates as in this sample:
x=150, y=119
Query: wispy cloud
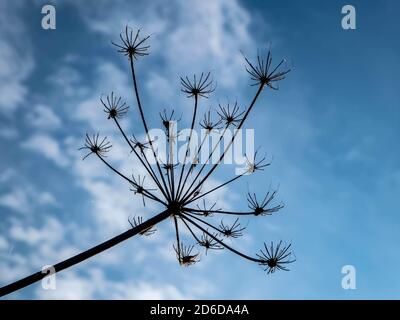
x=95, y=284
x=16, y=200
x=51, y=231
x=16, y=61
x=47, y=146
x=26, y=198
x=43, y=117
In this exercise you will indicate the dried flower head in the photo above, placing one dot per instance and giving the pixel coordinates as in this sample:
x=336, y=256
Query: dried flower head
x=168, y=120
x=208, y=124
x=232, y=231
x=185, y=255
x=142, y=146
x=261, y=208
x=139, y=188
x=275, y=258
x=262, y=74
x=96, y=146
x=114, y=106
x=132, y=46
x=209, y=242
x=205, y=210
x=183, y=191
x=253, y=164
x=230, y=115
x=201, y=87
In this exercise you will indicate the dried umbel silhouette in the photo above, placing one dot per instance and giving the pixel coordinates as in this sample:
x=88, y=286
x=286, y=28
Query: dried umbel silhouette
x=181, y=187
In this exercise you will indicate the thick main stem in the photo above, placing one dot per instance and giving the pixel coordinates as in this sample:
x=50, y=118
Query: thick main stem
x=85, y=255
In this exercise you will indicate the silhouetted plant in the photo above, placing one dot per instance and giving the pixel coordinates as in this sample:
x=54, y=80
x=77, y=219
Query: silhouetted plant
x=178, y=198
x=179, y=187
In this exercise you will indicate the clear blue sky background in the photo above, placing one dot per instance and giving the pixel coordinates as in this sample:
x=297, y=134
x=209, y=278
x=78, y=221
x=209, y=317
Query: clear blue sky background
x=332, y=130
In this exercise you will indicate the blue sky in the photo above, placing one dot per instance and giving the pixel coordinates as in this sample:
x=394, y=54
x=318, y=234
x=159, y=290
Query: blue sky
x=331, y=129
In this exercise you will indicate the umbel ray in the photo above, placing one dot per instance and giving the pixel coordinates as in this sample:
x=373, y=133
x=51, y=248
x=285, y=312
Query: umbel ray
x=181, y=188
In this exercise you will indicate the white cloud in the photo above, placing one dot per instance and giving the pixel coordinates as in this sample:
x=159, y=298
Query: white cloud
x=187, y=36
x=96, y=285
x=16, y=200
x=44, y=198
x=23, y=199
x=51, y=231
x=217, y=30
x=16, y=62
x=147, y=291
x=67, y=79
x=43, y=117
x=48, y=147
x=10, y=272
x=46, y=241
x=48, y=245
x=109, y=77
x=112, y=201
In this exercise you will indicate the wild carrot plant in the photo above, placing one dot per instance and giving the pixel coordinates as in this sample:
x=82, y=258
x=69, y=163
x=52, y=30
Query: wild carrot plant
x=180, y=187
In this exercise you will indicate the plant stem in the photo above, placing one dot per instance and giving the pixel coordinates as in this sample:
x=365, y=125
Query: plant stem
x=260, y=88
x=85, y=255
x=188, y=146
x=146, y=128
x=205, y=163
x=148, y=167
x=220, y=241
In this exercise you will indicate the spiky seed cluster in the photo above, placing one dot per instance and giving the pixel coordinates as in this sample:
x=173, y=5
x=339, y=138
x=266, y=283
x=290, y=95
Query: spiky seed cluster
x=96, y=145
x=254, y=164
x=232, y=231
x=114, y=106
x=167, y=119
x=208, y=124
x=141, y=146
x=202, y=87
x=275, y=258
x=262, y=74
x=205, y=210
x=186, y=255
x=180, y=191
x=230, y=115
x=132, y=46
x=139, y=188
x=261, y=208
x=209, y=242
